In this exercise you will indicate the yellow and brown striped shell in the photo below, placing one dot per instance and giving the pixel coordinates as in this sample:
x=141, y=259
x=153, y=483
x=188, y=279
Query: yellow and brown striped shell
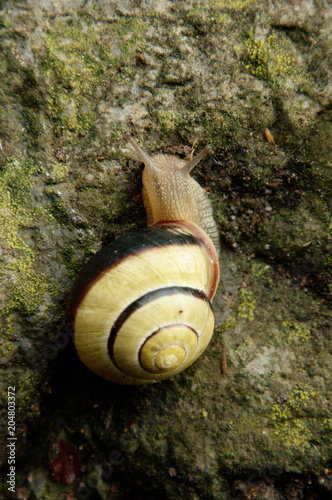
x=141, y=308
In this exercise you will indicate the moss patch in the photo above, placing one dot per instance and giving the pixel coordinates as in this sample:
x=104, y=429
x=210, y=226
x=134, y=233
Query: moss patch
x=25, y=283
x=81, y=61
x=171, y=122
x=246, y=305
x=295, y=332
x=58, y=173
x=270, y=60
x=290, y=424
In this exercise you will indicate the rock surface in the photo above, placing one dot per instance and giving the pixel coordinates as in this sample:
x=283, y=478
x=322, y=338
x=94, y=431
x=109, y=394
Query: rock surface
x=251, y=78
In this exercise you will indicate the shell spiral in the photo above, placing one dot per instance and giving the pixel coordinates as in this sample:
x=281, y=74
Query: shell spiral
x=142, y=306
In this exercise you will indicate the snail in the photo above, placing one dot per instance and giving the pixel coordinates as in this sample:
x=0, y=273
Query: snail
x=141, y=308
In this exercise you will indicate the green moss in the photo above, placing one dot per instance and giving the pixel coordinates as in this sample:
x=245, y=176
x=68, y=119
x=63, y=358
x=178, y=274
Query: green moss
x=73, y=260
x=204, y=413
x=269, y=60
x=4, y=23
x=58, y=209
x=246, y=305
x=68, y=253
x=28, y=389
x=259, y=269
x=289, y=425
x=226, y=325
x=79, y=61
x=295, y=332
x=26, y=285
x=217, y=124
x=235, y=5
x=243, y=352
x=58, y=173
x=12, y=175
x=220, y=11
x=171, y=122
x=115, y=131
x=6, y=343
x=103, y=204
x=327, y=423
x=198, y=12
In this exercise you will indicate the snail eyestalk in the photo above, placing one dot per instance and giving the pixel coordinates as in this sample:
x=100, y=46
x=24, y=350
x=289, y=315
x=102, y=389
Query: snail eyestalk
x=192, y=163
x=142, y=154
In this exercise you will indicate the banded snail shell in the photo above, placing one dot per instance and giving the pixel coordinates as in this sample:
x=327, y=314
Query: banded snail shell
x=142, y=306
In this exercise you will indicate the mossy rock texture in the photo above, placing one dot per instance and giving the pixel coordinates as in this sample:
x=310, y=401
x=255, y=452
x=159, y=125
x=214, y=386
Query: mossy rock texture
x=252, y=417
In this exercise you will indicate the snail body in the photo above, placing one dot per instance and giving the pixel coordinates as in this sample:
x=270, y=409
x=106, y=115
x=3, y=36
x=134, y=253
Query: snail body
x=141, y=307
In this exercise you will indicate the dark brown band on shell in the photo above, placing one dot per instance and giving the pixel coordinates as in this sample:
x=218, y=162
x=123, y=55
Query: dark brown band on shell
x=202, y=239
x=157, y=331
x=113, y=254
x=140, y=302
